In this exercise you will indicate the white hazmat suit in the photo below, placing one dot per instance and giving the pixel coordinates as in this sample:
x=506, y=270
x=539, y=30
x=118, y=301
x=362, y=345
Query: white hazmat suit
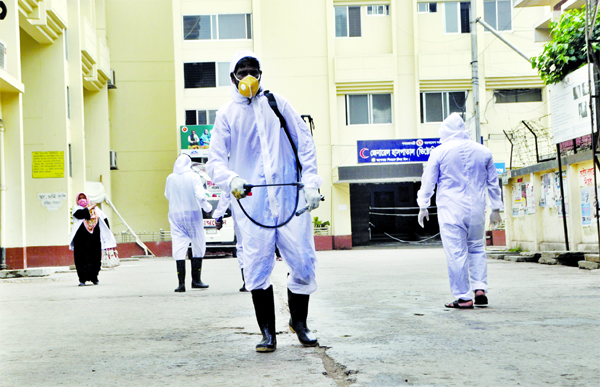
x=463, y=171
x=248, y=142
x=222, y=206
x=186, y=196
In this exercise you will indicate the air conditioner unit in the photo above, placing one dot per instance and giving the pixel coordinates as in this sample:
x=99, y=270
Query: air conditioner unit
x=2, y=55
x=112, y=80
x=113, y=160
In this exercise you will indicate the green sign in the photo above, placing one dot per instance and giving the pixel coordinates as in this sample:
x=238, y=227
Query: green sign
x=195, y=139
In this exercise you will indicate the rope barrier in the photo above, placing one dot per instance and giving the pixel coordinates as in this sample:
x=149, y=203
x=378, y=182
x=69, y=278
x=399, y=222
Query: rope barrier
x=378, y=213
x=411, y=242
x=398, y=208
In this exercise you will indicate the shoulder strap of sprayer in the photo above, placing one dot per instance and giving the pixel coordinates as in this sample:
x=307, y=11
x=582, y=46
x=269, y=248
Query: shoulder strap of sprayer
x=273, y=104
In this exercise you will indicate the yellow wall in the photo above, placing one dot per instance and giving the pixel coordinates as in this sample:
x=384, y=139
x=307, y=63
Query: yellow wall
x=544, y=230
x=44, y=124
x=142, y=110
x=402, y=54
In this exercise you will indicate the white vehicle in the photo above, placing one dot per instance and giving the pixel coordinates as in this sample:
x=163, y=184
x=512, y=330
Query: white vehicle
x=217, y=241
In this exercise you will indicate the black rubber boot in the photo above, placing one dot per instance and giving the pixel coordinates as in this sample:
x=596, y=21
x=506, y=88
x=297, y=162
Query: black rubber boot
x=243, y=288
x=264, y=307
x=298, y=304
x=196, y=274
x=181, y=276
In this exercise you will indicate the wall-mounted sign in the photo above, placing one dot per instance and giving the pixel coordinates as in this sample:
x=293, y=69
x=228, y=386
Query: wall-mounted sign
x=48, y=165
x=396, y=151
x=52, y=201
x=195, y=139
x=569, y=101
x=500, y=168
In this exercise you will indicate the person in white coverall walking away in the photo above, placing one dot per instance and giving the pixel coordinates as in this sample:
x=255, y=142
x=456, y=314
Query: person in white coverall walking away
x=463, y=171
x=250, y=146
x=187, y=199
x=224, y=202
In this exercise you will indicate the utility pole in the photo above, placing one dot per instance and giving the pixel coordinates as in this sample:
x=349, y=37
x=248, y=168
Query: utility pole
x=475, y=68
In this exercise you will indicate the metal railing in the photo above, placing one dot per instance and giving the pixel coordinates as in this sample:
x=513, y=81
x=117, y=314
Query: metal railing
x=145, y=236
x=322, y=230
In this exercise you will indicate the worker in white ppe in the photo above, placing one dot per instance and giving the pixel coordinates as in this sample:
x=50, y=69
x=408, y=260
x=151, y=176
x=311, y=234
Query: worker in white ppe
x=248, y=145
x=187, y=199
x=222, y=206
x=463, y=171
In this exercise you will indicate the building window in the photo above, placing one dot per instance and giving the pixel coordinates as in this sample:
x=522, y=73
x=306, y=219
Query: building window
x=70, y=162
x=365, y=109
x=518, y=95
x=223, y=78
x=206, y=74
x=347, y=22
x=213, y=27
x=374, y=10
x=68, y=103
x=457, y=17
x=426, y=7
x=436, y=106
x=200, y=117
x=498, y=14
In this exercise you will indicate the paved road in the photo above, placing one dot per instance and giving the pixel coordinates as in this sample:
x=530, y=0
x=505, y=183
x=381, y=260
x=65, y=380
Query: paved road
x=378, y=314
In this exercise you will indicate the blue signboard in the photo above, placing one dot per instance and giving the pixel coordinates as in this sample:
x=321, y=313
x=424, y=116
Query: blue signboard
x=500, y=168
x=396, y=151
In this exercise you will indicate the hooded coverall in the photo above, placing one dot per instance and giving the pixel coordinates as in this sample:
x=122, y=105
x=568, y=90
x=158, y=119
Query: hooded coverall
x=248, y=141
x=463, y=171
x=186, y=196
x=224, y=202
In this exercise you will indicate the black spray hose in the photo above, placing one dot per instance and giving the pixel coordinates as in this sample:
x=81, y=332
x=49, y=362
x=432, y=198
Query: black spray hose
x=248, y=188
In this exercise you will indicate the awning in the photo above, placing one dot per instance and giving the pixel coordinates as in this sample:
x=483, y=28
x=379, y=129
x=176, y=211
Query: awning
x=378, y=173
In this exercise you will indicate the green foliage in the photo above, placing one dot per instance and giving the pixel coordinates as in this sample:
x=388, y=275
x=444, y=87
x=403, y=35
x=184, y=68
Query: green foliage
x=318, y=223
x=567, y=51
x=518, y=249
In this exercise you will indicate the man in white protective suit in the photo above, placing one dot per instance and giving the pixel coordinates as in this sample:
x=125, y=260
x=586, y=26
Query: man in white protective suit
x=251, y=134
x=224, y=202
x=463, y=171
x=187, y=199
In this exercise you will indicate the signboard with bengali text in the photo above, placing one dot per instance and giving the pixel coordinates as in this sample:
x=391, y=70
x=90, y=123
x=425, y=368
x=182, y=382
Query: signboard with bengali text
x=47, y=165
x=396, y=151
x=569, y=101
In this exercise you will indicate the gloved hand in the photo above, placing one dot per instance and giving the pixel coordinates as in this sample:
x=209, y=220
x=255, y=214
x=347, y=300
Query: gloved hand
x=237, y=187
x=495, y=219
x=423, y=214
x=313, y=197
x=219, y=222
x=206, y=206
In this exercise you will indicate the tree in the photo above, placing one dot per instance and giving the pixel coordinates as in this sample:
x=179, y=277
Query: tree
x=567, y=51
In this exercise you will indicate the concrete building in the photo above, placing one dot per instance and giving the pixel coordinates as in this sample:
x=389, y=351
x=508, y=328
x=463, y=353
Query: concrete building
x=533, y=203
x=363, y=70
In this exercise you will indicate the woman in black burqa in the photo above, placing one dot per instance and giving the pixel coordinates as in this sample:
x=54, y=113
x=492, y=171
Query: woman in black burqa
x=91, y=234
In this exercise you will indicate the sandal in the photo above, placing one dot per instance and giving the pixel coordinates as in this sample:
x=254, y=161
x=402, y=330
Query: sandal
x=456, y=304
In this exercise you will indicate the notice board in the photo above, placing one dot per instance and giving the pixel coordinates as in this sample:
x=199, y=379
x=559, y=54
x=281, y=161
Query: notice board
x=48, y=165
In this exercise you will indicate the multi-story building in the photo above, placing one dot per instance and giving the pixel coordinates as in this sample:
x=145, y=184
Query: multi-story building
x=60, y=121
x=363, y=70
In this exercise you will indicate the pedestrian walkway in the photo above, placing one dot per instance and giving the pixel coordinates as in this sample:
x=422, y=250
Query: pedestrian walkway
x=378, y=315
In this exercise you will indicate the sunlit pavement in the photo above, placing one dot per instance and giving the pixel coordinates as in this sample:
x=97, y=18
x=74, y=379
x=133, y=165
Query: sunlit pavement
x=378, y=314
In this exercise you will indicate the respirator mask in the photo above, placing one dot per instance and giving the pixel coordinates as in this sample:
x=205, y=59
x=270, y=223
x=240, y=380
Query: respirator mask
x=82, y=202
